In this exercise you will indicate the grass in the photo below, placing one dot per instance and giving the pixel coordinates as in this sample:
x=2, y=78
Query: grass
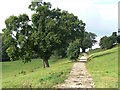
x=32, y=74
x=103, y=67
x=95, y=50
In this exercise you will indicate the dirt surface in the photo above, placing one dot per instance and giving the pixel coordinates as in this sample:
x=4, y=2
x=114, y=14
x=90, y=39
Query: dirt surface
x=79, y=77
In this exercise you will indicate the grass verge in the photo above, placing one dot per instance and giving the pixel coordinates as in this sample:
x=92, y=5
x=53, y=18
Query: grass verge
x=103, y=67
x=32, y=74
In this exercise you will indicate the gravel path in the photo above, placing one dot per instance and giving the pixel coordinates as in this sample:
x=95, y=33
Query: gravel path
x=78, y=78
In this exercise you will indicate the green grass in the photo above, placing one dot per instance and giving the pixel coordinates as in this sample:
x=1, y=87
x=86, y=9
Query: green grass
x=95, y=50
x=103, y=67
x=32, y=74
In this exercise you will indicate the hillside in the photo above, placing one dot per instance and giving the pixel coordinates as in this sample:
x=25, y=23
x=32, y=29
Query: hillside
x=103, y=67
x=32, y=74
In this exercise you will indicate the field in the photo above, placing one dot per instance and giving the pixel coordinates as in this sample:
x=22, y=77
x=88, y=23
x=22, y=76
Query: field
x=32, y=74
x=103, y=67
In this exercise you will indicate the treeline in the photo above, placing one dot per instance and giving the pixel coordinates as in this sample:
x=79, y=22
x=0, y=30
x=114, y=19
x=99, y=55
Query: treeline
x=107, y=42
x=48, y=32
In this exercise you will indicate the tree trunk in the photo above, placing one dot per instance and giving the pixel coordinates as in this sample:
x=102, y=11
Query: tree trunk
x=83, y=50
x=45, y=63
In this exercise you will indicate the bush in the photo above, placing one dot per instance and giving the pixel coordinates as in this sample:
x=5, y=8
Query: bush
x=107, y=42
x=73, y=50
x=118, y=38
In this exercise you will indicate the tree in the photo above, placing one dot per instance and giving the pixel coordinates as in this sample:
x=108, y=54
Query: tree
x=53, y=29
x=118, y=38
x=50, y=29
x=106, y=42
x=47, y=33
x=71, y=28
x=74, y=50
x=114, y=37
x=60, y=52
x=17, y=35
x=87, y=40
x=41, y=38
x=102, y=42
x=0, y=45
x=3, y=49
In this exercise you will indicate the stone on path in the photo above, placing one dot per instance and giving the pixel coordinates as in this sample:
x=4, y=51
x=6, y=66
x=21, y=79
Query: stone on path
x=83, y=59
x=78, y=78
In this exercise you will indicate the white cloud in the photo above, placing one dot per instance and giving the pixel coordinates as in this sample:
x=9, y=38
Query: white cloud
x=81, y=8
x=100, y=16
x=109, y=11
x=12, y=7
x=105, y=1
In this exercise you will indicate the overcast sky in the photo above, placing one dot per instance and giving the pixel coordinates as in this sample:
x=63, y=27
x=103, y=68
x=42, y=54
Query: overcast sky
x=100, y=16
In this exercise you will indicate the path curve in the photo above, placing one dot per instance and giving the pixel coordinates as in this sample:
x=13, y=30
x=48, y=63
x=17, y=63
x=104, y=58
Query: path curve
x=79, y=77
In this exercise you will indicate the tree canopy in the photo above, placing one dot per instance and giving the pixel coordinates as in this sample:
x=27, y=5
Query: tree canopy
x=118, y=38
x=87, y=40
x=73, y=50
x=48, y=30
x=17, y=35
x=107, y=42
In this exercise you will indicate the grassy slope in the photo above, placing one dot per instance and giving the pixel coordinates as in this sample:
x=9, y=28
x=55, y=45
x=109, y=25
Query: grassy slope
x=18, y=74
x=104, y=68
x=95, y=50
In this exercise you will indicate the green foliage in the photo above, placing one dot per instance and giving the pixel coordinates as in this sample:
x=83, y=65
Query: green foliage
x=17, y=34
x=74, y=49
x=46, y=37
x=50, y=30
x=1, y=46
x=107, y=42
x=114, y=37
x=4, y=48
x=71, y=28
x=60, y=52
x=87, y=40
x=118, y=38
x=103, y=67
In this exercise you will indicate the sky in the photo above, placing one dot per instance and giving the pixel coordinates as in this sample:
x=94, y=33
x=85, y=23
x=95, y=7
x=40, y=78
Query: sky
x=100, y=16
x=119, y=15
